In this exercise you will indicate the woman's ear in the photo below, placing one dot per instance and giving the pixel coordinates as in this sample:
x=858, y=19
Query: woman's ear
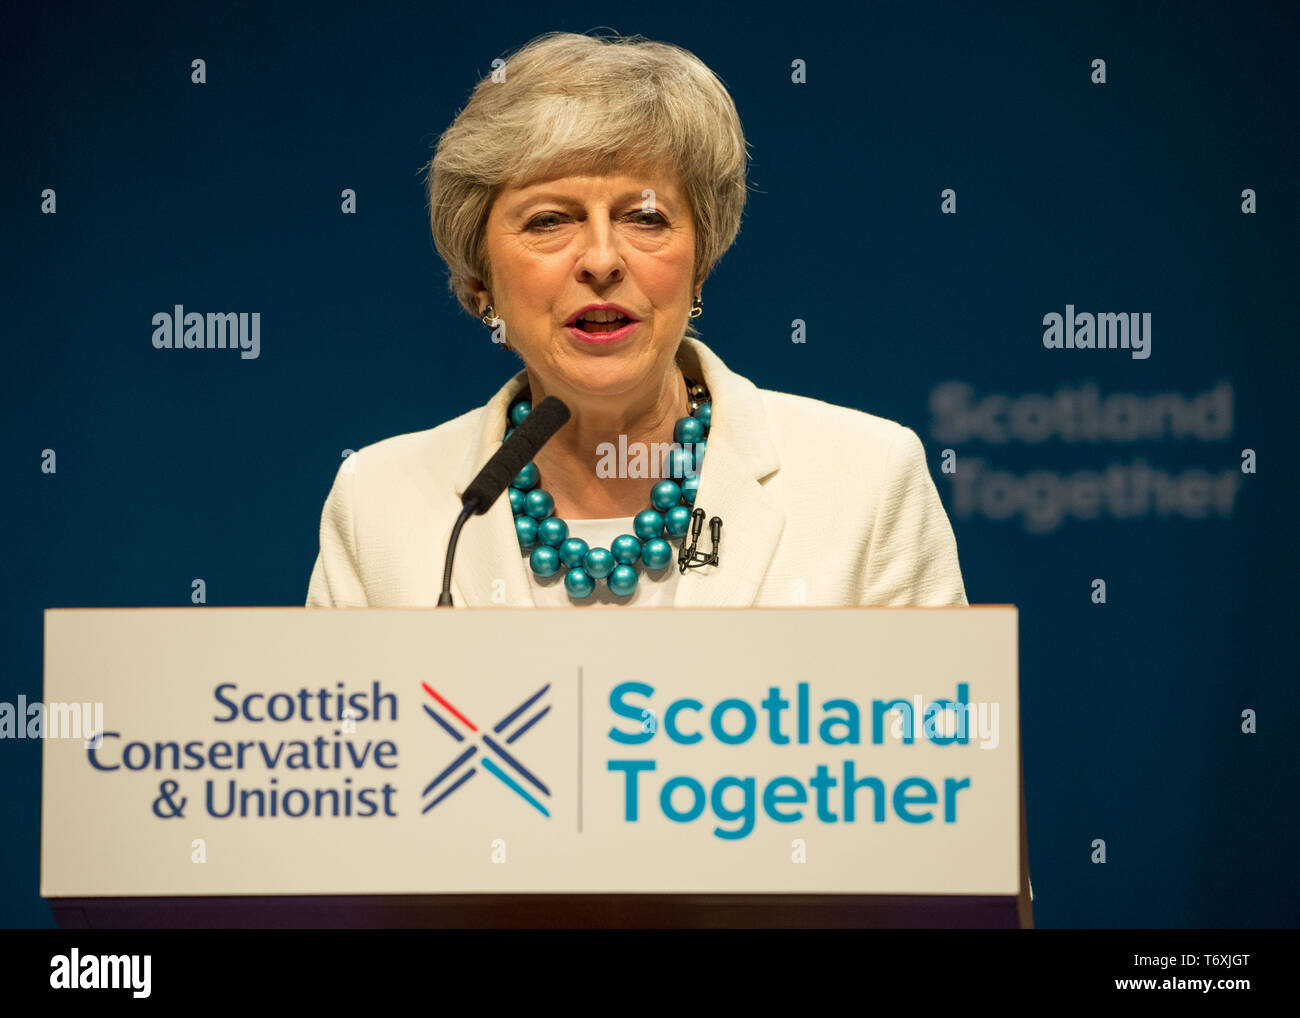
x=480, y=290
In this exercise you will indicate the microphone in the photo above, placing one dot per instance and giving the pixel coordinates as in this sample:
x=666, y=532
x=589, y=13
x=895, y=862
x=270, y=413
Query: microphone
x=542, y=422
x=688, y=557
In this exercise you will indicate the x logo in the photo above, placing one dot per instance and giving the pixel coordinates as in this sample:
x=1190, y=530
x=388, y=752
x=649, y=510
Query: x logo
x=480, y=745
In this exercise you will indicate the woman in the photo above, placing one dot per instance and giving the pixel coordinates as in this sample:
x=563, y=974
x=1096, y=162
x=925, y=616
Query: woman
x=580, y=200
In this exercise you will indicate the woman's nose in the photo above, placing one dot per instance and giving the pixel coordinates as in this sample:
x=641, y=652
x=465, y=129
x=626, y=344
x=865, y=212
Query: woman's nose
x=601, y=256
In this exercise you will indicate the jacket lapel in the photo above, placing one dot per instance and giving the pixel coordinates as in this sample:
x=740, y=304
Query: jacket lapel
x=740, y=455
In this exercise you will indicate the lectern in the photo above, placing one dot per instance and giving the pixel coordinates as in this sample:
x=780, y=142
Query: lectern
x=298, y=767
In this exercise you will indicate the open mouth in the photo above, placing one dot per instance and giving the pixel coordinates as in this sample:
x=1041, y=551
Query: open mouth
x=586, y=325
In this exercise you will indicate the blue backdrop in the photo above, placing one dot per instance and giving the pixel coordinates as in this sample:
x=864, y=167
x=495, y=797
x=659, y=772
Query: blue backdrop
x=1122, y=196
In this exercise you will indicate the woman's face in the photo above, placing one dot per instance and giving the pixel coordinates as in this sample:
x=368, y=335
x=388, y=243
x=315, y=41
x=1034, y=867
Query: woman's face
x=557, y=246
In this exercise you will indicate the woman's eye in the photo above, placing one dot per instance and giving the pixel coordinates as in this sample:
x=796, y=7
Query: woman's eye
x=538, y=222
x=545, y=221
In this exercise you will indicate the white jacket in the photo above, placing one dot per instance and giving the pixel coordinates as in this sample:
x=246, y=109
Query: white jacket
x=821, y=505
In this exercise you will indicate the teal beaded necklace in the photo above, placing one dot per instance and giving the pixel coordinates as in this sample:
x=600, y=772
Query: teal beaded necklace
x=546, y=536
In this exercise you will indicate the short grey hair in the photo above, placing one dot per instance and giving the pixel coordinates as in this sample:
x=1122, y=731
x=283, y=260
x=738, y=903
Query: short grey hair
x=573, y=104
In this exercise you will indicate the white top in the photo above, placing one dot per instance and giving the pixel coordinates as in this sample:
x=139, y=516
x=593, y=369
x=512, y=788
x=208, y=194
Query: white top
x=821, y=505
x=652, y=588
